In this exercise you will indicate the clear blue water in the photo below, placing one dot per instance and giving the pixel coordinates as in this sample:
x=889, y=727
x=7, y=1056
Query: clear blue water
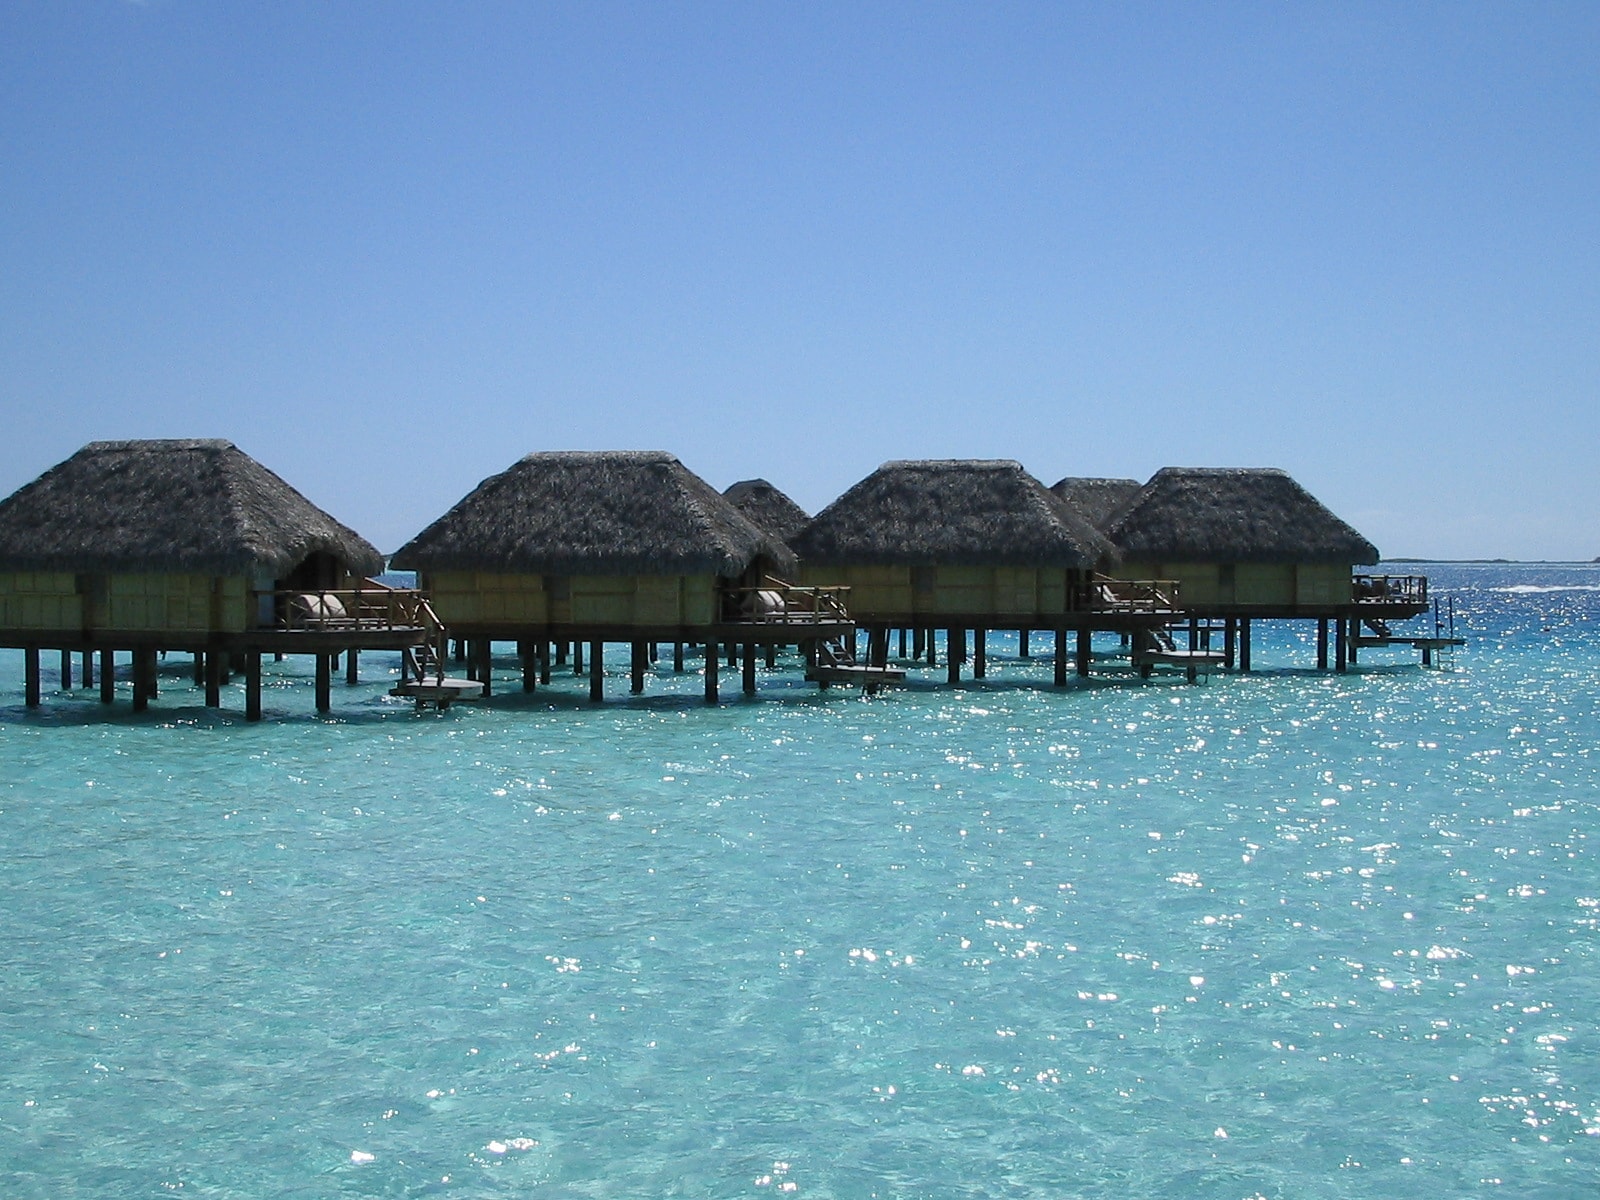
x=1285, y=935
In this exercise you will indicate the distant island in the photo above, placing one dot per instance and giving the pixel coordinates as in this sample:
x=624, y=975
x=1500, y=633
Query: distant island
x=1502, y=562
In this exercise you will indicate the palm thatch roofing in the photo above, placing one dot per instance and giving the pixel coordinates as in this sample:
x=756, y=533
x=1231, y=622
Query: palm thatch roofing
x=1233, y=515
x=951, y=512
x=198, y=506
x=768, y=508
x=1100, y=500
x=594, y=513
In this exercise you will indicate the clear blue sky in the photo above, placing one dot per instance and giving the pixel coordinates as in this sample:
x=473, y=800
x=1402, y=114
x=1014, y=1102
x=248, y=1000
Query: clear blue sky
x=388, y=248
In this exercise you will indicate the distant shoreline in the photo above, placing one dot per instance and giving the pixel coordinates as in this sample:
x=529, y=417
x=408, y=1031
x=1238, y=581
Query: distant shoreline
x=1502, y=562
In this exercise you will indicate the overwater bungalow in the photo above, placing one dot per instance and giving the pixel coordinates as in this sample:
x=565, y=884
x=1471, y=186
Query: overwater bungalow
x=768, y=508
x=1251, y=543
x=612, y=546
x=143, y=547
x=969, y=545
x=1099, y=500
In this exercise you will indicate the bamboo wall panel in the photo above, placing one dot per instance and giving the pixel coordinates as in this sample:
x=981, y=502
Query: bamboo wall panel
x=40, y=600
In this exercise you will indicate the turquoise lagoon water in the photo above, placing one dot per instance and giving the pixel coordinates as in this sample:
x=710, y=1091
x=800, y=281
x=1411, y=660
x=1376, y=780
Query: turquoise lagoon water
x=1286, y=935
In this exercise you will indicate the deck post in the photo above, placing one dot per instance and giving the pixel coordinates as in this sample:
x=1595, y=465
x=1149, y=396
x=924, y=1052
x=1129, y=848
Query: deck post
x=352, y=667
x=108, y=676
x=932, y=650
x=1427, y=654
x=141, y=679
x=916, y=645
x=1058, y=663
x=772, y=656
x=1244, y=645
x=641, y=654
x=199, y=668
x=88, y=668
x=749, y=669
x=30, y=676
x=252, y=685
x=677, y=657
x=324, y=683
x=1084, y=652
x=577, y=659
x=733, y=654
x=1322, y=643
x=1355, y=633
x=712, y=661
x=902, y=641
x=483, y=652
x=955, y=649
x=542, y=649
x=530, y=665
x=1022, y=644
x=66, y=670
x=213, y=679
x=980, y=653
x=597, y=671
x=1341, y=645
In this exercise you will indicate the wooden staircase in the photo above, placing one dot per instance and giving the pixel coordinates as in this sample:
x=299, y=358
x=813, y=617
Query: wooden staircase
x=834, y=662
x=422, y=674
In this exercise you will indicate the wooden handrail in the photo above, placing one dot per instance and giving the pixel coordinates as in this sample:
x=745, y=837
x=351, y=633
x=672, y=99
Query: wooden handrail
x=1389, y=589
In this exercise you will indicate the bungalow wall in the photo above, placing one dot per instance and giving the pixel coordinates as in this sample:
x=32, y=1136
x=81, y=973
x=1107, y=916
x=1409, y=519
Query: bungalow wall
x=1249, y=585
x=469, y=598
x=140, y=603
x=40, y=600
x=926, y=594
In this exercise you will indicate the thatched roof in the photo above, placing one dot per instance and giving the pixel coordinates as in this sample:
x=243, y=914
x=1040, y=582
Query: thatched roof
x=950, y=512
x=1233, y=515
x=768, y=508
x=593, y=513
x=1100, y=500
x=194, y=506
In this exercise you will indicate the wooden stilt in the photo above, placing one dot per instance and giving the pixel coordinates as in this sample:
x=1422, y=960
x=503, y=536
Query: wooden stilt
x=712, y=660
x=1355, y=632
x=544, y=662
x=749, y=669
x=733, y=654
x=655, y=653
x=577, y=658
x=1230, y=641
x=902, y=641
x=30, y=676
x=1022, y=644
x=213, y=679
x=1427, y=654
x=916, y=644
x=932, y=661
x=324, y=683
x=597, y=671
x=1060, y=664
x=561, y=654
x=530, y=665
x=142, y=670
x=1244, y=645
x=1341, y=648
x=88, y=668
x=980, y=653
x=66, y=670
x=252, y=686
x=1322, y=643
x=352, y=667
x=636, y=667
x=772, y=656
x=108, y=676
x=1085, y=652
x=677, y=657
x=199, y=668
x=483, y=655
x=955, y=649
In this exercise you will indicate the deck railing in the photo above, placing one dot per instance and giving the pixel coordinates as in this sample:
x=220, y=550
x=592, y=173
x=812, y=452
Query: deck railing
x=1104, y=594
x=777, y=603
x=367, y=606
x=1390, y=589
